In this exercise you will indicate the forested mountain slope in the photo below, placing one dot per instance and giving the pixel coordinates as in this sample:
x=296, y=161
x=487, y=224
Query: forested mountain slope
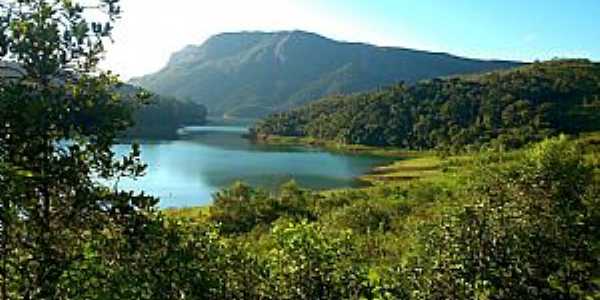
x=251, y=74
x=507, y=108
x=161, y=116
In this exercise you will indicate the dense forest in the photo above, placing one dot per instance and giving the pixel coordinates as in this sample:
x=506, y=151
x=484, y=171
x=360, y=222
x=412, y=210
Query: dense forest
x=159, y=116
x=519, y=224
x=505, y=108
x=253, y=74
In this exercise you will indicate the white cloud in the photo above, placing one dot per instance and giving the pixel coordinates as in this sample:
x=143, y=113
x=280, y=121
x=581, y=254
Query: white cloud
x=151, y=30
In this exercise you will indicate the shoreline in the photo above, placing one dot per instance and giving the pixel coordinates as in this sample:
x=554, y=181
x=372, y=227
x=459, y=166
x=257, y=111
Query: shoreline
x=337, y=147
x=404, y=166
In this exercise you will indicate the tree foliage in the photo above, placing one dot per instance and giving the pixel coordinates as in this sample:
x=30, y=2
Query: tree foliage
x=530, y=233
x=59, y=116
x=241, y=208
x=159, y=117
x=500, y=109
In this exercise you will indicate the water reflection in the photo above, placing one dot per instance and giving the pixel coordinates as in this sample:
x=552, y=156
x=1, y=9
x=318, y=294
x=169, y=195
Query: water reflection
x=188, y=171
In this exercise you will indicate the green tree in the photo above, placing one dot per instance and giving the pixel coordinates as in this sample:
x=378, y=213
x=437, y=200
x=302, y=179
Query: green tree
x=307, y=263
x=241, y=208
x=528, y=235
x=59, y=115
x=504, y=109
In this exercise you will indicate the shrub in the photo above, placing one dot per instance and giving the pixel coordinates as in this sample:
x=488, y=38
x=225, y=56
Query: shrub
x=529, y=233
x=370, y=215
x=241, y=208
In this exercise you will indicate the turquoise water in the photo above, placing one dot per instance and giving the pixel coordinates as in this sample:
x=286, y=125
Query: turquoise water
x=188, y=171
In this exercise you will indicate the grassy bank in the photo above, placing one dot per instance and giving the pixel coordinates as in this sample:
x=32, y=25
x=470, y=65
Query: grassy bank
x=407, y=164
x=339, y=147
x=408, y=170
x=198, y=213
x=406, y=167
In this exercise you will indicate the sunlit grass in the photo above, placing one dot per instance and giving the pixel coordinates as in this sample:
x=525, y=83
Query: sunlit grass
x=428, y=181
x=199, y=213
x=339, y=147
x=405, y=169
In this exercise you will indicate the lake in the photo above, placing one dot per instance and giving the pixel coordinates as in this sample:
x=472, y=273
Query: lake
x=188, y=171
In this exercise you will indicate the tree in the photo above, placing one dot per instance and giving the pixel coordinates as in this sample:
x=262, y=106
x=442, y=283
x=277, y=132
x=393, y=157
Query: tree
x=528, y=235
x=308, y=263
x=59, y=115
x=508, y=109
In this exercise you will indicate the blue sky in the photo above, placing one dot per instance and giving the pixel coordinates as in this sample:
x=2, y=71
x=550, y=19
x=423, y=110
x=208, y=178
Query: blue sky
x=509, y=29
x=150, y=30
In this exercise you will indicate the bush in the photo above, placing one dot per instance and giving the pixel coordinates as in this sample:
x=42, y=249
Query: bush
x=528, y=235
x=365, y=216
x=241, y=208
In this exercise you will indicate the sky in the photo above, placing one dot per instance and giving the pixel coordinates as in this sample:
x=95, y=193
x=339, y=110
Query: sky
x=526, y=30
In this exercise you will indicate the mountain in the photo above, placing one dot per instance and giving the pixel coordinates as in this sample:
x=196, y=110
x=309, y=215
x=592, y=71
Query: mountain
x=250, y=74
x=505, y=108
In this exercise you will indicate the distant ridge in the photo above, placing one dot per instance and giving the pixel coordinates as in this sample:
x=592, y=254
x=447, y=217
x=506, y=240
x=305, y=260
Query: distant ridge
x=252, y=73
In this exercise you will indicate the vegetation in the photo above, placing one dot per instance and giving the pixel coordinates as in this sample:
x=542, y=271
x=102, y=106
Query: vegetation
x=59, y=228
x=493, y=225
x=505, y=109
x=408, y=168
x=517, y=225
x=160, y=117
x=253, y=74
x=529, y=234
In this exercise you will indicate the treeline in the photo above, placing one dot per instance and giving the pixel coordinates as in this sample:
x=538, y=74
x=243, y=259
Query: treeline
x=160, y=116
x=505, y=108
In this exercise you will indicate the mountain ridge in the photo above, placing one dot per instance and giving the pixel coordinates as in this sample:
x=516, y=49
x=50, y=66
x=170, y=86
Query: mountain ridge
x=255, y=73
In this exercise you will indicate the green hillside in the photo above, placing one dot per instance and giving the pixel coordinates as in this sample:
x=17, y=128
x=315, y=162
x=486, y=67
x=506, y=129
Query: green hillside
x=505, y=108
x=161, y=116
x=252, y=74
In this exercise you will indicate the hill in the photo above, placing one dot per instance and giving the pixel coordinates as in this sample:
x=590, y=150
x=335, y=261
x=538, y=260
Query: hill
x=161, y=116
x=504, y=108
x=250, y=74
